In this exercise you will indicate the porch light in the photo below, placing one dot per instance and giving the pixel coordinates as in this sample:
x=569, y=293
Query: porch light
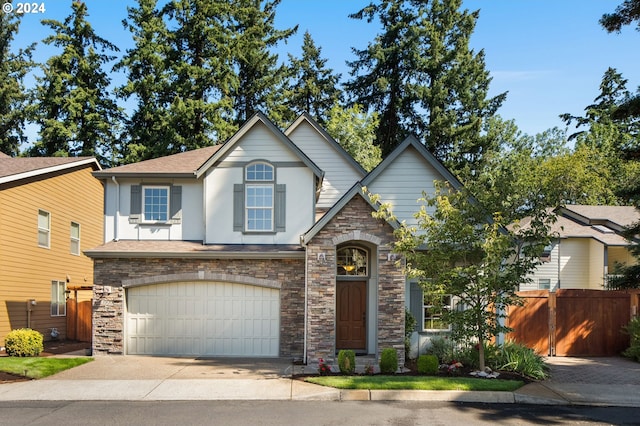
x=349, y=268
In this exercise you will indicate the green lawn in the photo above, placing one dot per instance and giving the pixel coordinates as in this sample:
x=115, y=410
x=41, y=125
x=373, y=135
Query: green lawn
x=38, y=367
x=415, y=383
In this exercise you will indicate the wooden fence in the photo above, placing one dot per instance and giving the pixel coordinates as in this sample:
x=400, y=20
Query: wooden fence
x=79, y=320
x=574, y=322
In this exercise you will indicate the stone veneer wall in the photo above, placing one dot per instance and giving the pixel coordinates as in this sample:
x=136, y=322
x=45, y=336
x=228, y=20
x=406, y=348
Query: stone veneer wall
x=354, y=222
x=108, y=307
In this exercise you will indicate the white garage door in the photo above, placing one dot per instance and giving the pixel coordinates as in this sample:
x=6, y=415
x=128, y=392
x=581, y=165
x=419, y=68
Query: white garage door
x=203, y=318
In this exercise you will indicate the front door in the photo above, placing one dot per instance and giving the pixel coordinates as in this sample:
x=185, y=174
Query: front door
x=351, y=302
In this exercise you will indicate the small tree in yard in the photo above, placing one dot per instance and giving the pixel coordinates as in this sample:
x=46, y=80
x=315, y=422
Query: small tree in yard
x=476, y=254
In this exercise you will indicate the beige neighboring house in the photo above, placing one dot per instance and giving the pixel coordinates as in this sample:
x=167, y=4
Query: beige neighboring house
x=587, y=250
x=51, y=211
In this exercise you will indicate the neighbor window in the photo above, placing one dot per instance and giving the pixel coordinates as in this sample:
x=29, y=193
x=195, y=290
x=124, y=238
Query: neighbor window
x=155, y=204
x=544, y=284
x=75, y=238
x=58, y=298
x=259, y=197
x=44, y=228
x=433, y=307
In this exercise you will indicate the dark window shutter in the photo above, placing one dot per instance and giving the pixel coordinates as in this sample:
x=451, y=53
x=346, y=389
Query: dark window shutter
x=280, y=205
x=135, y=209
x=238, y=207
x=415, y=304
x=176, y=203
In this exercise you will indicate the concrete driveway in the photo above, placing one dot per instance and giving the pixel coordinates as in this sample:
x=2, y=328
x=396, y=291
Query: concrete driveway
x=161, y=368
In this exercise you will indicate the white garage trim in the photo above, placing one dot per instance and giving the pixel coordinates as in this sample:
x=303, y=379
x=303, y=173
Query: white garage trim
x=201, y=276
x=202, y=318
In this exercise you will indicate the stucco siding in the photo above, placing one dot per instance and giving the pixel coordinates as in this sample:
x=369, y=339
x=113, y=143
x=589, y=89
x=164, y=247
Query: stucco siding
x=219, y=185
x=339, y=176
x=27, y=268
x=401, y=184
x=190, y=226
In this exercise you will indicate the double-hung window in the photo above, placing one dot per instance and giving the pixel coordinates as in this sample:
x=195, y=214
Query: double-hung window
x=259, y=197
x=75, y=238
x=155, y=206
x=44, y=229
x=58, y=298
x=434, y=306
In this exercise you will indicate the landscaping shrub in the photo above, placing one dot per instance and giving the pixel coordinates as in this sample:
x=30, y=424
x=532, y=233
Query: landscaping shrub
x=633, y=329
x=521, y=359
x=442, y=348
x=388, y=361
x=428, y=364
x=347, y=361
x=23, y=342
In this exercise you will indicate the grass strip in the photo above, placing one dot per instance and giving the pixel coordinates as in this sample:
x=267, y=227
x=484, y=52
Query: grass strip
x=39, y=367
x=415, y=383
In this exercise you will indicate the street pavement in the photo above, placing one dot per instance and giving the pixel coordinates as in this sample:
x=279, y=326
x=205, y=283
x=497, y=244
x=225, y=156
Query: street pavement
x=607, y=381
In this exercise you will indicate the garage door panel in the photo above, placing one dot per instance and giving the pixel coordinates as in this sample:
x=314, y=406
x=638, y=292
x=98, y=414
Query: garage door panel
x=203, y=318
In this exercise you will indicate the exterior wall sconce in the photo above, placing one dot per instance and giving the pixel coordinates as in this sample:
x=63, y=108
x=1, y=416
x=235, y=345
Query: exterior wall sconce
x=322, y=258
x=392, y=257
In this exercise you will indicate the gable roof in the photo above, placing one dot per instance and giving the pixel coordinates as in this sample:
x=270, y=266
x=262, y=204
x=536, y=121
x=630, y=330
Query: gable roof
x=602, y=223
x=412, y=141
x=257, y=118
x=13, y=169
x=183, y=164
x=355, y=190
x=306, y=118
x=614, y=217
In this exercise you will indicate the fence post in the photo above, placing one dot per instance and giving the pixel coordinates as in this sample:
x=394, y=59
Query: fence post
x=552, y=323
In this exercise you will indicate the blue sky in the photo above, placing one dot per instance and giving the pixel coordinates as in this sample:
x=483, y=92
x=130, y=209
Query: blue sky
x=549, y=55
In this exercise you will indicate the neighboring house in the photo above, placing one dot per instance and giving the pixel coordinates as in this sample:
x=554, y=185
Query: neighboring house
x=51, y=211
x=587, y=249
x=262, y=246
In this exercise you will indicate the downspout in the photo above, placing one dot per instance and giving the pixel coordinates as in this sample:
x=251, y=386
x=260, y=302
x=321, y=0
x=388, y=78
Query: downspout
x=117, y=216
x=306, y=291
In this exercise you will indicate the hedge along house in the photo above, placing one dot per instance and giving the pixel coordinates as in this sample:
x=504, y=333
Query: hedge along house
x=262, y=246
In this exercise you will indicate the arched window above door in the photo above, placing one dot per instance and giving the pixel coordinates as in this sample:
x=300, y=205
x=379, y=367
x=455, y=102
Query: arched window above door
x=352, y=261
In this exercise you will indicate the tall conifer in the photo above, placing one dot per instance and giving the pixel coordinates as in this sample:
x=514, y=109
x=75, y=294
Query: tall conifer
x=13, y=94
x=75, y=111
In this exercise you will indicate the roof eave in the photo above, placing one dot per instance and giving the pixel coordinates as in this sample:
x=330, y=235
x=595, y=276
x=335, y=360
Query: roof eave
x=109, y=254
x=51, y=169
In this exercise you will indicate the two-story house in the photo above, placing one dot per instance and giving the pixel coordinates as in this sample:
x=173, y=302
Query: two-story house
x=262, y=246
x=52, y=211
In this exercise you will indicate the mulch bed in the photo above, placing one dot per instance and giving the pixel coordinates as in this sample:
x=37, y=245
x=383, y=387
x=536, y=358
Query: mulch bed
x=50, y=348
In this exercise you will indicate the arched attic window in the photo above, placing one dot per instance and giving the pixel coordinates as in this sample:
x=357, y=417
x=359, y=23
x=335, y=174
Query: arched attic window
x=352, y=261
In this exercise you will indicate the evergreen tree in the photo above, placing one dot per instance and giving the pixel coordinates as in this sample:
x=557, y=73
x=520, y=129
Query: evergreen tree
x=201, y=65
x=313, y=87
x=260, y=78
x=77, y=117
x=149, y=130
x=625, y=14
x=13, y=95
x=423, y=78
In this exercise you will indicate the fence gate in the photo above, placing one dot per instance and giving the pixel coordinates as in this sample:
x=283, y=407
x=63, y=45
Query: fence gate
x=573, y=322
x=79, y=320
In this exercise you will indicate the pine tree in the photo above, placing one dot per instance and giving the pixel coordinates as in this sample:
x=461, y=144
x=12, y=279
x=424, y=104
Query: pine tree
x=149, y=130
x=77, y=117
x=422, y=77
x=13, y=95
x=260, y=78
x=313, y=88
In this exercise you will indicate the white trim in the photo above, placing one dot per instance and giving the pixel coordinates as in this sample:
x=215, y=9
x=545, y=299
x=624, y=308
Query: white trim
x=144, y=204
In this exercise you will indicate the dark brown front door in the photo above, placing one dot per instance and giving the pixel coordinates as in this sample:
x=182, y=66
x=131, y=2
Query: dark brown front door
x=351, y=304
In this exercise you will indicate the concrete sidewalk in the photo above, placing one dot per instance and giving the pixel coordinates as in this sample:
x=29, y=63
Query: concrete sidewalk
x=581, y=381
